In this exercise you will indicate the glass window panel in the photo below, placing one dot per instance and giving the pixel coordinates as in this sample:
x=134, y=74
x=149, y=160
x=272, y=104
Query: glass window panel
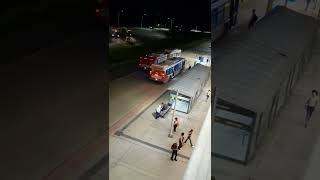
x=230, y=142
x=234, y=116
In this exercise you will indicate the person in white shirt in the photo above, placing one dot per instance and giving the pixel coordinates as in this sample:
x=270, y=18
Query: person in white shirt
x=158, y=111
x=310, y=105
x=208, y=94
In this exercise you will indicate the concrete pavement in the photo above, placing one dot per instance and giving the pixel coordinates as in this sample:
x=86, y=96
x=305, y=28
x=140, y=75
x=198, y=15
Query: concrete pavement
x=246, y=7
x=143, y=150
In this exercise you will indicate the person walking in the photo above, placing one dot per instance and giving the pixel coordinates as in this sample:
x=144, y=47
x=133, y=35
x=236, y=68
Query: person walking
x=208, y=94
x=310, y=105
x=175, y=124
x=181, y=141
x=189, y=67
x=174, y=148
x=253, y=19
x=189, y=137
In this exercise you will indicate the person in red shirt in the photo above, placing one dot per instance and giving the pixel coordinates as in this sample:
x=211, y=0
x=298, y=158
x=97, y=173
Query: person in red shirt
x=189, y=137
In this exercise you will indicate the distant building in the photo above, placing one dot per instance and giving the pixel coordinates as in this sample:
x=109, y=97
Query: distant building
x=224, y=16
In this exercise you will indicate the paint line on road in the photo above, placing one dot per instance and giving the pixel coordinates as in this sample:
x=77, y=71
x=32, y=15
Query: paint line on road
x=152, y=145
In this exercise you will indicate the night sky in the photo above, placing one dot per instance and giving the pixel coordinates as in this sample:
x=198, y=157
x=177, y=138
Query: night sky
x=196, y=13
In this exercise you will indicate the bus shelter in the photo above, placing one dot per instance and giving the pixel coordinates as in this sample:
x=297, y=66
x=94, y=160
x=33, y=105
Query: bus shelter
x=255, y=79
x=189, y=87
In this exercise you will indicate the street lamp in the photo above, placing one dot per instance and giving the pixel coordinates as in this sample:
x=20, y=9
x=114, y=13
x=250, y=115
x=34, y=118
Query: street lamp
x=119, y=12
x=171, y=21
x=174, y=110
x=142, y=19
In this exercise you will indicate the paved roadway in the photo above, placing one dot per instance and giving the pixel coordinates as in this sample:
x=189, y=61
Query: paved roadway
x=52, y=104
x=126, y=94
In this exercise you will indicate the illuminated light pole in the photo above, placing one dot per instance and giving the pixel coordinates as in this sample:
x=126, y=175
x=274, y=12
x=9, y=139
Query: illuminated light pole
x=119, y=13
x=174, y=110
x=142, y=19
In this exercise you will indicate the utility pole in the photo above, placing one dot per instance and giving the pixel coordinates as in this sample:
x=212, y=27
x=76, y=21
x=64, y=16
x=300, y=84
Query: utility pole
x=142, y=19
x=286, y=3
x=119, y=12
x=174, y=110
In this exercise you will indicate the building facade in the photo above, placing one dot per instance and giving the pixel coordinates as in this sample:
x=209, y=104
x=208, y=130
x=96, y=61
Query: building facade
x=223, y=16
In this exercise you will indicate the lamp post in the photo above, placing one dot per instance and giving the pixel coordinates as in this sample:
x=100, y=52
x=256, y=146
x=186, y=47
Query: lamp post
x=174, y=110
x=142, y=19
x=119, y=13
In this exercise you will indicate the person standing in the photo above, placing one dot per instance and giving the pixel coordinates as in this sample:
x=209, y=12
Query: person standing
x=174, y=148
x=181, y=141
x=175, y=124
x=208, y=94
x=310, y=105
x=189, y=137
x=253, y=19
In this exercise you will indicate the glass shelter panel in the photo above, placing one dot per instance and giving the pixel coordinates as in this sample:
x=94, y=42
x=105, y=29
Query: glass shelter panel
x=230, y=142
x=232, y=132
x=183, y=102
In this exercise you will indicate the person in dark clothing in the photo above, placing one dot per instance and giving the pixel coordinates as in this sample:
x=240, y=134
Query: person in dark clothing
x=164, y=106
x=189, y=67
x=310, y=105
x=253, y=19
x=181, y=141
x=174, y=153
x=189, y=137
x=175, y=124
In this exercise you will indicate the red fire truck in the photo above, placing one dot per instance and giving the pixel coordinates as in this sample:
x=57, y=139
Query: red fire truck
x=167, y=70
x=156, y=58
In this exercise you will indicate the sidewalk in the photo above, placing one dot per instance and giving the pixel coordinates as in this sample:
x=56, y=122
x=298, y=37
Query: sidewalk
x=245, y=10
x=143, y=150
x=287, y=149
